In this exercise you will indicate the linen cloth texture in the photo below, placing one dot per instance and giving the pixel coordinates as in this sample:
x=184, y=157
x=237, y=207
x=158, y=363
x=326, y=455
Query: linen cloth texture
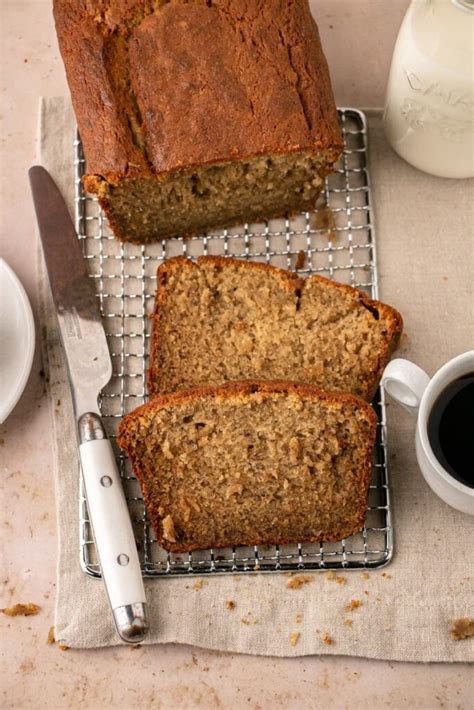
x=425, y=265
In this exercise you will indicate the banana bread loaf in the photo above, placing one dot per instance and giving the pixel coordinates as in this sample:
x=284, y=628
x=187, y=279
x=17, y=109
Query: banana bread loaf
x=196, y=114
x=252, y=463
x=222, y=319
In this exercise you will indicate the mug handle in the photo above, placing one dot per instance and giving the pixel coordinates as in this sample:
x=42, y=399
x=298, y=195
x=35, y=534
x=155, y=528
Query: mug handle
x=405, y=382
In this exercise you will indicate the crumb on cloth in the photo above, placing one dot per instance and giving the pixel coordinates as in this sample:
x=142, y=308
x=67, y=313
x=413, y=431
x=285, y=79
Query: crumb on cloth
x=230, y=604
x=51, y=638
x=348, y=622
x=294, y=637
x=21, y=610
x=333, y=577
x=248, y=622
x=199, y=584
x=353, y=604
x=462, y=628
x=327, y=639
x=299, y=581
x=63, y=647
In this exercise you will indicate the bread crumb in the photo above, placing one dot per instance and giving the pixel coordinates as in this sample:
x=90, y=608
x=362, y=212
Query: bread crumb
x=248, y=622
x=298, y=618
x=51, y=639
x=294, y=637
x=133, y=646
x=300, y=262
x=348, y=622
x=234, y=489
x=462, y=628
x=365, y=575
x=366, y=592
x=327, y=639
x=323, y=219
x=299, y=581
x=331, y=576
x=353, y=604
x=199, y=584
x=63, y=647
x=21, y=610
x=387, y=576
x=230, y=604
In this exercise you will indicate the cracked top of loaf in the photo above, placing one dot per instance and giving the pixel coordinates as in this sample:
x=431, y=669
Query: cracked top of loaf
x=161, y=85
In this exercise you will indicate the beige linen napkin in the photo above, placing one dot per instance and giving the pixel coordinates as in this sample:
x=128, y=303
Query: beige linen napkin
x=425, y=270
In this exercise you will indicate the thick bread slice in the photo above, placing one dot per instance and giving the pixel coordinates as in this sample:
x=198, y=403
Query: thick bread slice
x=221, y=319
x=252, y=463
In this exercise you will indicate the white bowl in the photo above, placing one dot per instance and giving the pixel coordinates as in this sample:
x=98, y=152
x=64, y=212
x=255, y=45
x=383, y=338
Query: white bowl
x=17, y=339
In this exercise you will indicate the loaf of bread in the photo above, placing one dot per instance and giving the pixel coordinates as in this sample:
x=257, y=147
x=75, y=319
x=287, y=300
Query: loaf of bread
x=252, y=463
x=196, y=114
x=222, y=319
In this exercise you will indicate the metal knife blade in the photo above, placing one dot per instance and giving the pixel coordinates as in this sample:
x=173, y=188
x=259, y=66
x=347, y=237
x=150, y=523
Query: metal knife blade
x=74, y=295
x=90, y=369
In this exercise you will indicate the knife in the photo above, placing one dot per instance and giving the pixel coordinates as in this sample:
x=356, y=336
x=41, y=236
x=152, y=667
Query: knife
x=90, y=369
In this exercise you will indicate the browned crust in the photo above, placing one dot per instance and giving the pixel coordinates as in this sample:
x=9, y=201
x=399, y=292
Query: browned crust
x=239, y=391
x=264, y=95
x=292, y=283
x=342, y=534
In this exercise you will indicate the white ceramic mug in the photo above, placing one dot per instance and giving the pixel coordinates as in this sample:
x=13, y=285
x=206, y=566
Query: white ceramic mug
x=411, y=387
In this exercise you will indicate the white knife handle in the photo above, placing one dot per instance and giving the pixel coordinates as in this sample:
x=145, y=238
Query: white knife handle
x=112, y=529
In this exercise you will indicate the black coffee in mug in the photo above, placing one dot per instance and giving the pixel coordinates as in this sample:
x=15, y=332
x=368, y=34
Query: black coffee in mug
x=451, y=429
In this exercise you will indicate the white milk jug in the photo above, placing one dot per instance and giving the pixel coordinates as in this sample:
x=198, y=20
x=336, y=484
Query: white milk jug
x=429, y=110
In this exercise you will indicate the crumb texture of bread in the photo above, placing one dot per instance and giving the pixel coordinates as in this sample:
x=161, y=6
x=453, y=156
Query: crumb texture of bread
x=252, y=463
x=221, y=319
x=198, y=113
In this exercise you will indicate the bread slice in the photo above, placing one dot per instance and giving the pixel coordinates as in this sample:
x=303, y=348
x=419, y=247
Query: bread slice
x=252, y=463
x=222, y=319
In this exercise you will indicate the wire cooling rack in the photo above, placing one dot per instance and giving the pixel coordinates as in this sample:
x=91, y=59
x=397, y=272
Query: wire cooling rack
x=335, y=240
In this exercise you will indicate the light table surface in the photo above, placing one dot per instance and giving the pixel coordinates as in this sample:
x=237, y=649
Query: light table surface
x=40, y=676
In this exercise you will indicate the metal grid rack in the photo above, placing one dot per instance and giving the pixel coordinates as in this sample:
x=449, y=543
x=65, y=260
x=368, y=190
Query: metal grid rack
x=336, y=240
